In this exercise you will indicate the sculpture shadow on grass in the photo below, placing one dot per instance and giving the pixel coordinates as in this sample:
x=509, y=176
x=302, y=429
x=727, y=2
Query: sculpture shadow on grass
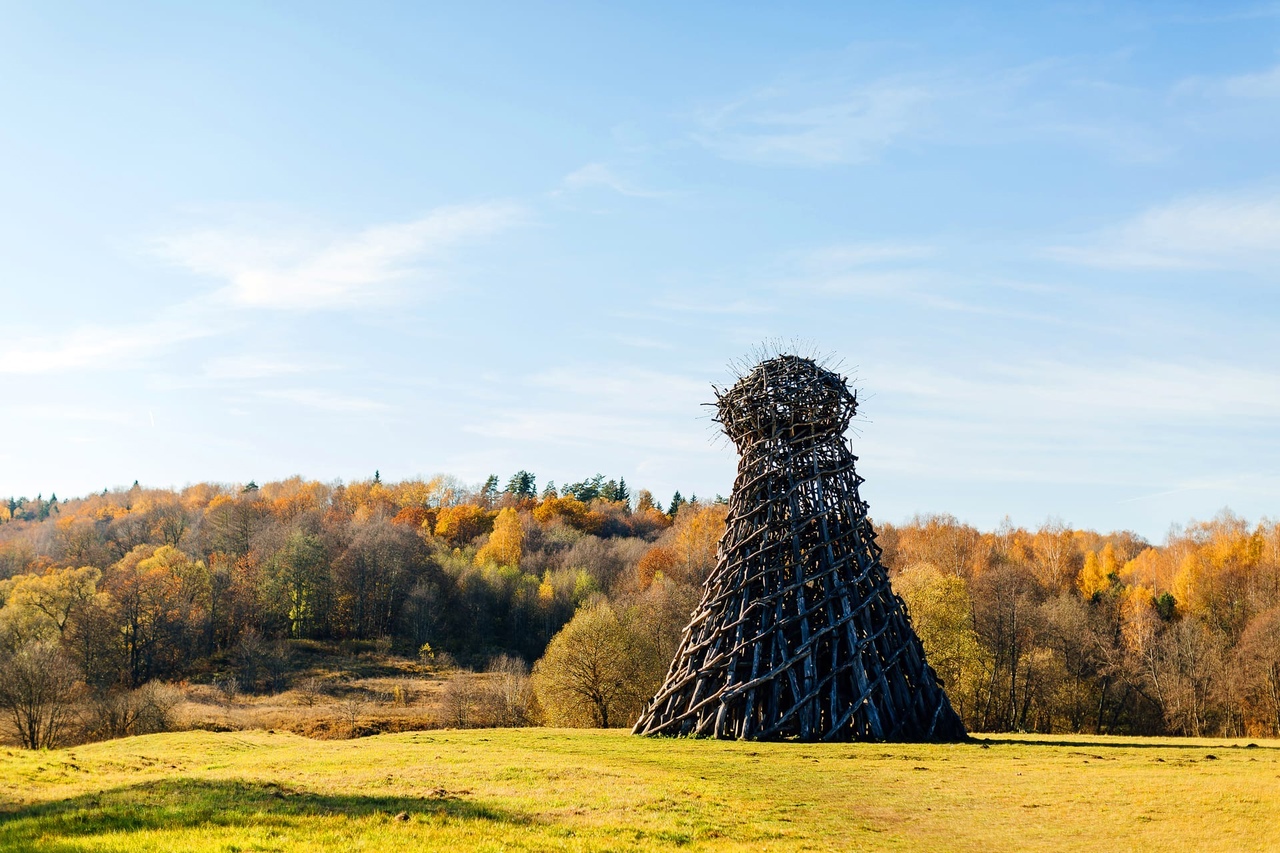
x=58, y=826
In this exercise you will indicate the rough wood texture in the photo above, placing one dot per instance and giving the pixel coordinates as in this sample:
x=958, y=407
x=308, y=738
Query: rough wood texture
x=798, y=634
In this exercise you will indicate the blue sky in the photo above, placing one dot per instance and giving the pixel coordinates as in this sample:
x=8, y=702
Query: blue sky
x=246, y=242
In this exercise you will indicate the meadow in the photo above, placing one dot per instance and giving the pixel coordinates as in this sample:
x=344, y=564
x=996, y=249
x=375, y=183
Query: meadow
x=540, y=789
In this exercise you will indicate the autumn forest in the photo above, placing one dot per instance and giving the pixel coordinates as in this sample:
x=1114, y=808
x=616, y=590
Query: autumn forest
x=1045, y=630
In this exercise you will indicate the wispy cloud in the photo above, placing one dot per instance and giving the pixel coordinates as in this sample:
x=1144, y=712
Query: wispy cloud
x=1251, y=483
x=254, y=366
x=591, y=429
x=1225, y=14
x=647, y=389
x=775, y=126
x=294, y=270
x=100, y=347
x=326, y=401
x=1257, y=85
x=619, y=408
x=284, y=270
x=847, y=113
x=63, y=413
x=642, y=342
x=598, y=175
x=859, y=254
x=916, y=273
x=1138, y=425
x=1240, y=231
x=1075, y=397
x=903, y=272
x=711, y=305
x=883, y=269
x=1265, y=84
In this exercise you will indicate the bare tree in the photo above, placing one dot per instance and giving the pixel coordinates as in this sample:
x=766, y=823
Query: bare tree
x=262, y=662
x=38, y=691
x=351, y=707
x=461, y=701
x=1183, y=664
x=1006, y=616
x=1053, y=556
x=1258, y=671
x=120, y=713
x=508, y=694
x=309, y=690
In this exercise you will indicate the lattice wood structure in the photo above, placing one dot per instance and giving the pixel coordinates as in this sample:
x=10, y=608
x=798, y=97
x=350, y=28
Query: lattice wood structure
x=798, y=634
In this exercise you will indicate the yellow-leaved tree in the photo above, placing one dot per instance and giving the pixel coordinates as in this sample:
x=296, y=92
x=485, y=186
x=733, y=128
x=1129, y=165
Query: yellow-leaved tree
x=48, y=602
x=694, y=539
x=942, y=615
x=460, y=524
x=1101, y=571
x=505, y=544
x=592, y=674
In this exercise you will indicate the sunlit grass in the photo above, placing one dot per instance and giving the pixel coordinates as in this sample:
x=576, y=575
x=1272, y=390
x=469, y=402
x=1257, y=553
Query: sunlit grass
x=538, y=789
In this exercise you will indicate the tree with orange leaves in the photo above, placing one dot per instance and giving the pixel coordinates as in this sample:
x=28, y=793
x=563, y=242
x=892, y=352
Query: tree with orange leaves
x=658, y=562
x=460, y=524
x=571, y=511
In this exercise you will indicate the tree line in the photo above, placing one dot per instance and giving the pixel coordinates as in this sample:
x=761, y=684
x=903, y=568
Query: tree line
x=1052, y=629
x=1061, y=630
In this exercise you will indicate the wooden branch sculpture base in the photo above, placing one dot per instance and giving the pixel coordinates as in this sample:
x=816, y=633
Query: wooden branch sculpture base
x=798, y=634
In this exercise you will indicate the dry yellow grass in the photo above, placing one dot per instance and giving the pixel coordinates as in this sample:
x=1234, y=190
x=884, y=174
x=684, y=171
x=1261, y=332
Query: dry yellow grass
x=362, y=706
x=539, y=789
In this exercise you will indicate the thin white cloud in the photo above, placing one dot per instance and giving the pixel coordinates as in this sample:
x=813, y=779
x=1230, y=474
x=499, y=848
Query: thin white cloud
x=887, y=271
x=1258, y=85
x=287, y=270
x=591, y=429
x=865, y=269
x=1264, y=84
x=619, y=408
x=642, y=342
x=64, y=413
x=888, y=283
x=769, y=127
x=1076, y=397
x=598, y=175
x=101, y=347
x=862, y=254
x=253, y=366
x=299, y=271
x=903, y=272
x=326, y=401
x=1210, y=15
x=1251, y=483
x=838, y=115
x=1239, y=231
x=726, y=306
x=1136, y=426
x=646, y=389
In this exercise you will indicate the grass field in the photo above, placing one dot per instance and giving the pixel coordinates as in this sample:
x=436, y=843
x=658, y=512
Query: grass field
x=540, y=789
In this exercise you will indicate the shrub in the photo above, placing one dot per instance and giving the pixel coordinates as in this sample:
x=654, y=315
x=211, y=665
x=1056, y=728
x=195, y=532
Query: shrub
x=147, y=710
x=38, y=691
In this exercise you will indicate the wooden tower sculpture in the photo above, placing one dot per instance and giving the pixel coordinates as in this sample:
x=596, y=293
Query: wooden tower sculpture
x=798, y=634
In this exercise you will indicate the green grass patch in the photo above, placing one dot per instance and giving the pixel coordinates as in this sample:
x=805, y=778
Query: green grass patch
x=540, y=789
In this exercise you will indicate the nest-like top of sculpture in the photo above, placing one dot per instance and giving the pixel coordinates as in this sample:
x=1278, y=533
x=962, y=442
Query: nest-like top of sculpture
x=786, y=398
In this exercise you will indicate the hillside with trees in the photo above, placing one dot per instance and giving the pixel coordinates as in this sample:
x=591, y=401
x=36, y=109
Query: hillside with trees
x=1048, y=630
